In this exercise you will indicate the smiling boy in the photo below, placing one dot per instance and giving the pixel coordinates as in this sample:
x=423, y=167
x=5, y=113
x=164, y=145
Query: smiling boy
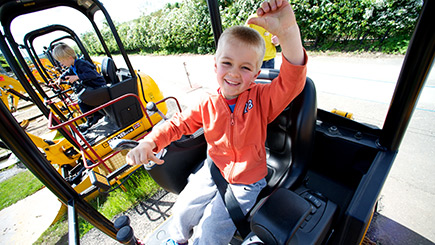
x=234, y=121
x=236, y=67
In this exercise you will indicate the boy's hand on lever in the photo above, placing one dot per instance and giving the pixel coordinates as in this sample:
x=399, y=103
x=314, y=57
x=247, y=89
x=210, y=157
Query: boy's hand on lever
x=72, y=78
x=143, y=153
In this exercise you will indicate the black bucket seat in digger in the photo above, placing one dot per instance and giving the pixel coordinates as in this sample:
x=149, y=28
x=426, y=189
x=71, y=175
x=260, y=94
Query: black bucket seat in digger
x=290, y=139
x=119, y=82
x=108, y=70
x=287, y=212
x=289, y=146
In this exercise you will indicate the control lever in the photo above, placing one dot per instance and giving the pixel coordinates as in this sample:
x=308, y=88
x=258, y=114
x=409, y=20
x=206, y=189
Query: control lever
x=124, y=144
x=151, y=106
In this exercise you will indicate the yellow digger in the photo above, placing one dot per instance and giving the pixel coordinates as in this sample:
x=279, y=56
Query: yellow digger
x=79, y=156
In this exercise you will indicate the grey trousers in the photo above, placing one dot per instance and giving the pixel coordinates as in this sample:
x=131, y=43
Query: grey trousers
x=200, y=206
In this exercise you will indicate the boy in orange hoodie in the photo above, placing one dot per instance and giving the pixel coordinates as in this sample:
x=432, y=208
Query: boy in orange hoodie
x=234, y=121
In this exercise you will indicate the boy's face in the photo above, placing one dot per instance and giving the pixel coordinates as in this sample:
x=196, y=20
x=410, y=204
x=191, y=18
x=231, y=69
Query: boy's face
x=69, y=61
x=236, y=68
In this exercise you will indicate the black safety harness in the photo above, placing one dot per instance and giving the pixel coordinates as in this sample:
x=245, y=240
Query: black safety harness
x=230, y=201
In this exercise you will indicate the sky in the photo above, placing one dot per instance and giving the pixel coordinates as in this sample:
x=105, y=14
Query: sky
x=129, y=9
x=120, y=11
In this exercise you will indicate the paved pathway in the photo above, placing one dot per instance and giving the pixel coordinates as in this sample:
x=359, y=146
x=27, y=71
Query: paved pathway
x=24, y=222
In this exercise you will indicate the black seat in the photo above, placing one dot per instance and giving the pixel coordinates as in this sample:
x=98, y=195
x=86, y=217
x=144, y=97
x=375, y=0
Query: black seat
x=289, y=143
x=108, y=70
x=290, y=138
x=127, y=111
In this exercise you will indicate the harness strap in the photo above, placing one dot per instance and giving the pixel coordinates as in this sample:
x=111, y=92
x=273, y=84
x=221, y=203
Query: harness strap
x=230, y=201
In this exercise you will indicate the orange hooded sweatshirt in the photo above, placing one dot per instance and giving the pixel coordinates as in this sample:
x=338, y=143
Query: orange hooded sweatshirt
x=236, y=141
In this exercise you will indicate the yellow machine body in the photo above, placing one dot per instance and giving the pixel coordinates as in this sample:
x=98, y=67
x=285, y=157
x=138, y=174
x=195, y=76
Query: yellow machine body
x=61, y=152
x=9, y=99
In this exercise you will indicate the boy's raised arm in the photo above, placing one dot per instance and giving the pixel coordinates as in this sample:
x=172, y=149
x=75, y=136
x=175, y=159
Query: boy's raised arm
x=278, y=18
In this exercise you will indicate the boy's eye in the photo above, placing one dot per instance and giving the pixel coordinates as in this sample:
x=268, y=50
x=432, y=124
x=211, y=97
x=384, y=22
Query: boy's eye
x=246, y=68
x=226, y=63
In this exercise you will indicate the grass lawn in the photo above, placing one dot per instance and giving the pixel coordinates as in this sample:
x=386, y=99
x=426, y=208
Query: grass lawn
x=138, y=187
x=18, y=187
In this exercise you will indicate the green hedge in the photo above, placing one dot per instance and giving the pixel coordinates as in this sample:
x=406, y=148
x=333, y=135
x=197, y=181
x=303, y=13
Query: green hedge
x=358, y=24
x=345, y=25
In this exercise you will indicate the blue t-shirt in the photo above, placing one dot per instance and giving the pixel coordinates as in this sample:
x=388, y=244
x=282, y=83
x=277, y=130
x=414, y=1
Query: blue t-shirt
x=231, y=103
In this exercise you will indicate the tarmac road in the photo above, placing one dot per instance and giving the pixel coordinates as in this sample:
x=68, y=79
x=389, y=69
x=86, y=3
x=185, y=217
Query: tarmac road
x=361, y=85
x=365, y=87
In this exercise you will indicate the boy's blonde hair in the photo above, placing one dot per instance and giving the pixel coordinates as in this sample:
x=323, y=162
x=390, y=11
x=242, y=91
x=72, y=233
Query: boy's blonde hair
x=245, y=35
x=63, y=51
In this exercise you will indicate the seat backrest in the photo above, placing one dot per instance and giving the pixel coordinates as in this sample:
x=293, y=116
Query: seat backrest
x=290, y=139
x=108, y=70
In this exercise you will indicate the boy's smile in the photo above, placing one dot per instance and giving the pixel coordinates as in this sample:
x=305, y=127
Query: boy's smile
x=236, y=68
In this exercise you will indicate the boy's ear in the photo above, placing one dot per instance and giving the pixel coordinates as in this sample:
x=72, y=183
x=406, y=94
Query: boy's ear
x=215, y=65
